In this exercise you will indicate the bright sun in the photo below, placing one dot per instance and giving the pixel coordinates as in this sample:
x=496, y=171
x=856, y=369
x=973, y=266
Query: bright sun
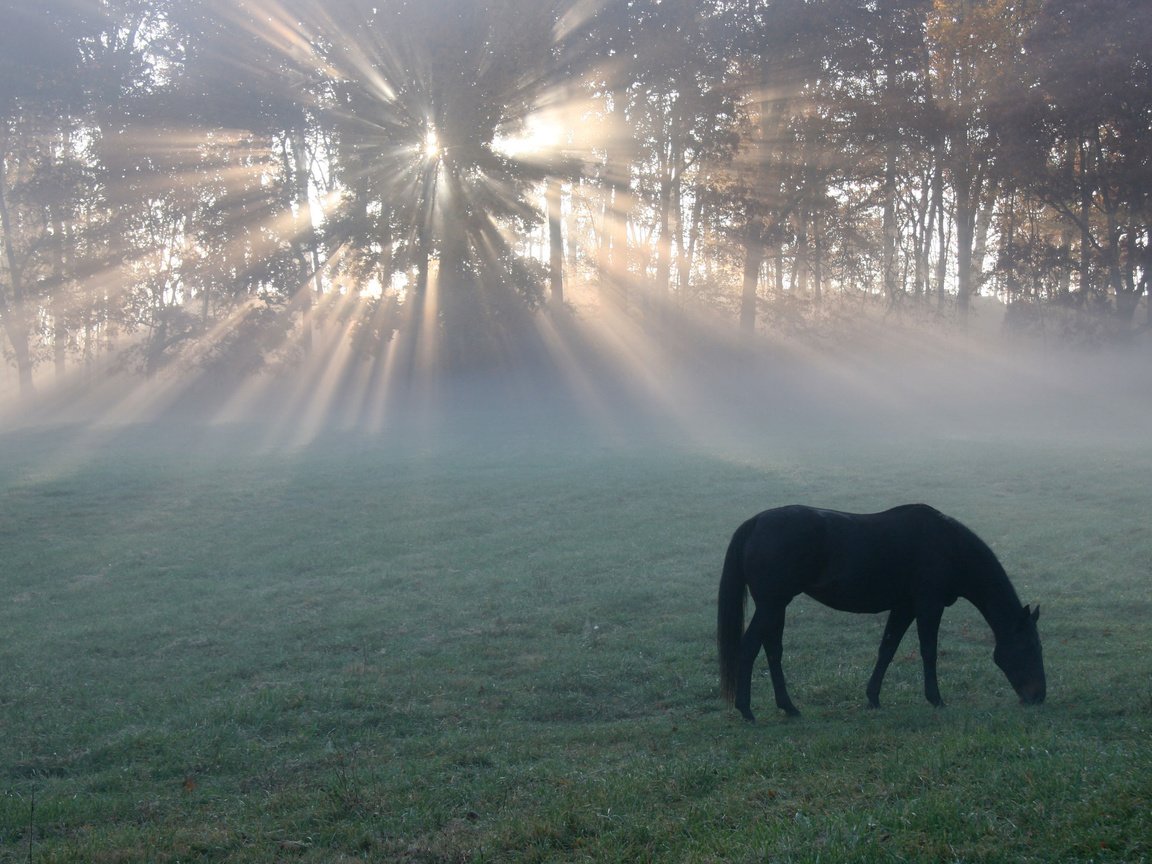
x=430, y=148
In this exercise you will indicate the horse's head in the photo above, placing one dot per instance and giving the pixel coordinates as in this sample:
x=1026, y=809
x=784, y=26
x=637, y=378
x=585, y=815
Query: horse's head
x=1019, y=657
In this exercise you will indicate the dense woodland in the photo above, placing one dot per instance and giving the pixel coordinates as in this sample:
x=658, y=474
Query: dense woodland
x=211, y=181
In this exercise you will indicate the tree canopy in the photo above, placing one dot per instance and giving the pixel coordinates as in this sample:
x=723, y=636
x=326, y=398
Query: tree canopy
x=229, y=183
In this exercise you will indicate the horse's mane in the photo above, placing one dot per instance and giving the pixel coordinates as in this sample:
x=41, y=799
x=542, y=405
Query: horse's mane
x=989, y=582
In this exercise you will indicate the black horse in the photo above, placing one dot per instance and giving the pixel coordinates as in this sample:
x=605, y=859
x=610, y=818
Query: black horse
x=911, y=560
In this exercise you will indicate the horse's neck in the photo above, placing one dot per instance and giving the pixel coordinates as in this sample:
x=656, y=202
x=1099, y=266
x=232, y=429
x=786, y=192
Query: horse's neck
x=993, y=595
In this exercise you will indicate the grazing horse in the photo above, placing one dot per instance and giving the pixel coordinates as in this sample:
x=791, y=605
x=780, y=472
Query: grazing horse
x=911, y=561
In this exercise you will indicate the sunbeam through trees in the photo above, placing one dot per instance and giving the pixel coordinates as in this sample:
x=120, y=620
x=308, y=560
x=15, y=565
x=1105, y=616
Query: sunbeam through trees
x=384, y=190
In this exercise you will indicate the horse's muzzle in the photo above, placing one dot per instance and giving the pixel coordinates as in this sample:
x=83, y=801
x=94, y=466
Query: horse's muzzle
x=1032, y=695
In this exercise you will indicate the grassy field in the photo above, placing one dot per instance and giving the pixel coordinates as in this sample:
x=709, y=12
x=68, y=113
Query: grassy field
x=500, y=647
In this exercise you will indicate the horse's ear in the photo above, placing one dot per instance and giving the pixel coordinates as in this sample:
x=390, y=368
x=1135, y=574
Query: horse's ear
x=1035, y=614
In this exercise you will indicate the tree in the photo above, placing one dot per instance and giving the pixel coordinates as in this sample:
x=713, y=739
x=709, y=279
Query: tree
x=214, y=178
x=974, y=44
x=682, y=114
x=40, y=92
x=777, y=63
x=419, y=117
x=1083, y=145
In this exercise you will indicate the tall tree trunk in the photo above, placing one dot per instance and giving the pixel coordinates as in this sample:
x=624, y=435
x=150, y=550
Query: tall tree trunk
x=943, y=234
x=1145, y=288
x=688, y=258
x=555, y=245
x=1120, y=278
x=1064, y=282
x=965, y=232
x=462, y=316
x=305, y=234
x=817, y=262
x=964, y=186
x=800, y=262
x=924, y=249
x=17, y=333
x=669, y=194
x=753, y=259
x=63, y=267
x=614, y=269
x=1116, y=251
x=419, y=334
x=676, y=278
x=1086, y=193
x=384, y=231
x=985, y=209
x=889, y=228
x=573, y=229
x=13, y=311
x=777, y=247
x=663, y=238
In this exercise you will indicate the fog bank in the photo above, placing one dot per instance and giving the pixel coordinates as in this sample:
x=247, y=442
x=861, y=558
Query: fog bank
x=691, y=381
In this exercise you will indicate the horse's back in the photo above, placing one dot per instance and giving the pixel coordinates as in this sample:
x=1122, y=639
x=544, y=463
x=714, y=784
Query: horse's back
x=854, y=562
x=796, y=524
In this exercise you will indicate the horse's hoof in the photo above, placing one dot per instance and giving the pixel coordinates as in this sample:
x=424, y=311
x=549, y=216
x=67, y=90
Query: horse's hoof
x=873, y=704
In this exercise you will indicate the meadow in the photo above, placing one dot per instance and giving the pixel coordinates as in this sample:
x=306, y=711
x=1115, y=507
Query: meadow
x=497, y=645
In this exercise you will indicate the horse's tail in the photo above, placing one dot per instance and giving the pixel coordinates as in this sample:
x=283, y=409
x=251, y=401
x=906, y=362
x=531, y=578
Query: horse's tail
x=730, y=610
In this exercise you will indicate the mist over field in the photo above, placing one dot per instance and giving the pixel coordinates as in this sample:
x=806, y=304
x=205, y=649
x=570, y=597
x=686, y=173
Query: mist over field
x=687, y=384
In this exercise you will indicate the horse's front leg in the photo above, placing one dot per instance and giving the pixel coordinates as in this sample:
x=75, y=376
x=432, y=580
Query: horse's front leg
x=899, y=619
x=928, y=629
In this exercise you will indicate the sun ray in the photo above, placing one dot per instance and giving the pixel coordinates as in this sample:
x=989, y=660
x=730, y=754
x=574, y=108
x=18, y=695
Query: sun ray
x=474, y=192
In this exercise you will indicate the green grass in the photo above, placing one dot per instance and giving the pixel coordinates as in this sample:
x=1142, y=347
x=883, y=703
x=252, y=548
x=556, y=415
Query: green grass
x=476, y=647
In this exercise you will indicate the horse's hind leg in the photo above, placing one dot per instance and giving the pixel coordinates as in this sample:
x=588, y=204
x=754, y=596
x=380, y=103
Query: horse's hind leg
x=749, y=648
x=899, y=619
x=766, y=628
x=774, y=649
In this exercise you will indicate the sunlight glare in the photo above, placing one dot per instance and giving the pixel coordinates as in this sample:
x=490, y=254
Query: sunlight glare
x=430, y=148
x=541, y=134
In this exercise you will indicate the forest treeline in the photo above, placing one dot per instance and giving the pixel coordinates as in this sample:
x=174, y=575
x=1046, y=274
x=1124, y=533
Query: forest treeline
x=210, y=178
